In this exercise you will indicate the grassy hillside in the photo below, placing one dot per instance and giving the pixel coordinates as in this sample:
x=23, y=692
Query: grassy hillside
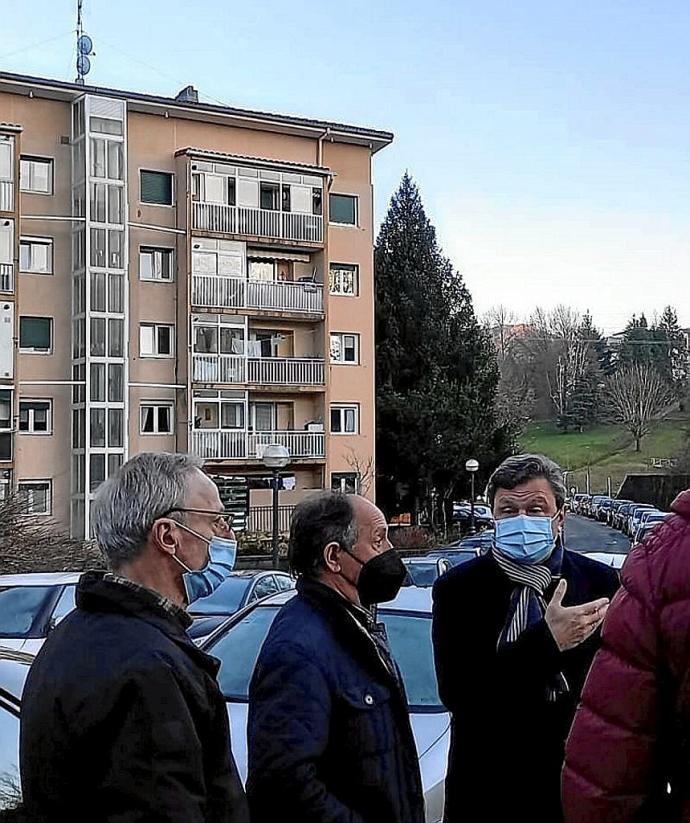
x=608, y=451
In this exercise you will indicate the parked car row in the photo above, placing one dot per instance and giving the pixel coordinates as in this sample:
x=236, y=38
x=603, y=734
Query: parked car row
x=634, y=519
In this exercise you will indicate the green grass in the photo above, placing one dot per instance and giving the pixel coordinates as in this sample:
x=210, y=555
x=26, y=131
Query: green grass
x=608, y=451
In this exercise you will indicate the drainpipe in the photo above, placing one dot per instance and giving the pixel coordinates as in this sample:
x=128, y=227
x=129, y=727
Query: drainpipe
x=319, y=151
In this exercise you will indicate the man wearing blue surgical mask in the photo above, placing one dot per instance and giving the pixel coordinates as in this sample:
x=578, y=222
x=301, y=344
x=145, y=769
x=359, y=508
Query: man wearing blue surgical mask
x=514, y=633
x=122, y=717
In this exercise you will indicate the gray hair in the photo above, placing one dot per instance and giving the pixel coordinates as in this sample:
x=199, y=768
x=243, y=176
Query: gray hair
x=327, y=517
x=523, y=467
x=127, y=504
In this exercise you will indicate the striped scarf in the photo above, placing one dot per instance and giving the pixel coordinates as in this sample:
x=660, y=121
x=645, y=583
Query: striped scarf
x=528, y=604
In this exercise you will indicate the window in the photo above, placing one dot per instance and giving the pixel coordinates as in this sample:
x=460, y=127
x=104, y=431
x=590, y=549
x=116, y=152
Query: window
x=156, y=188
x=344, y=348
x=36, y=255
x=6, y=410
x=36, y=334
x=36, y=175
x=155, y=264
x=344, y=482
x=7, y=242
x=345, y=419
x=343, y=209
x=36, y=495
x=156, y=418
x=218, y=414
x=6, y=161
x=35, y=416
x=155, y=340
x=269, y=196
x=344, y=279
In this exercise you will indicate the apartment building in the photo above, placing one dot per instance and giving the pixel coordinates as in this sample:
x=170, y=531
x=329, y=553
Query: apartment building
x=180, y=276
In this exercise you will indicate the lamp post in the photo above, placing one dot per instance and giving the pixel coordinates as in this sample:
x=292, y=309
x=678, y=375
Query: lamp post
x=275, y=458
x=472, y=466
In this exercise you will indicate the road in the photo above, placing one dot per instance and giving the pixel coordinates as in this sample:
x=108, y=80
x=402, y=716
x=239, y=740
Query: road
x=585, y=535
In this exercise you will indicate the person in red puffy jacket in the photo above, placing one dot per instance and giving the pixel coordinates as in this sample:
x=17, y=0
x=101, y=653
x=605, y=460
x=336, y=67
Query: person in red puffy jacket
x=628, y=753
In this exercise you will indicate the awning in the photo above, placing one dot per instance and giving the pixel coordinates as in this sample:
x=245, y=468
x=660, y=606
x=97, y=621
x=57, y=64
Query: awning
x=294, y=256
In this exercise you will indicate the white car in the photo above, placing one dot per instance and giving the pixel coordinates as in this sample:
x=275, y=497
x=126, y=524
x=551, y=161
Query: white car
x=612, y=559
x=31, y=605
x=237, y=644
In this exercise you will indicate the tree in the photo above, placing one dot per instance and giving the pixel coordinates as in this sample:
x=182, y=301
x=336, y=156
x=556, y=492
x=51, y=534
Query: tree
x=637, y=395
x=671, y=351
x=31, y=544
x=437, y=373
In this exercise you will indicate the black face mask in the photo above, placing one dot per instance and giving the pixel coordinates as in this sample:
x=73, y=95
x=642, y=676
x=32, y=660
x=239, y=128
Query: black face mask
x=380, y=578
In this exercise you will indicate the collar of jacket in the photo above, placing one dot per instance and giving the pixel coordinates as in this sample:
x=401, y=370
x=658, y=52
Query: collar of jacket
x=353, y=623
x=100, y=591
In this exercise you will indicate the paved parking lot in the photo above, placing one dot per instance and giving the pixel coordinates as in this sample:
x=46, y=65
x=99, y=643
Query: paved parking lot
x=585, y=535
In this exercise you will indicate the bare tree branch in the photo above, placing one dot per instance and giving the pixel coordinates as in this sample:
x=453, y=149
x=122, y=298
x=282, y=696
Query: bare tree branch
x=636, y=397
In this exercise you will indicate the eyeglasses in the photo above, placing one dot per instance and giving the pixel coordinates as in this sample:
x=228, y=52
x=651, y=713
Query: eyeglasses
x=224, y=519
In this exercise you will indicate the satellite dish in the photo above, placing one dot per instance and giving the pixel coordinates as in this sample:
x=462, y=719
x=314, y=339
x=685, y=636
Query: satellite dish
x=84, y=44
x=83, y=65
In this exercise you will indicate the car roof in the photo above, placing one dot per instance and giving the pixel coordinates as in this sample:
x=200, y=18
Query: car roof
x=40, y=579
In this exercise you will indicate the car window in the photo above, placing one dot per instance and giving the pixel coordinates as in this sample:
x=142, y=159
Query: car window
x=10, y=794
x=422, y=574
x=267, y=585
x=238, y=650
x=19, y=607
x=226, y=599
x=65, y=604
x=410, y=641
x=285, y=583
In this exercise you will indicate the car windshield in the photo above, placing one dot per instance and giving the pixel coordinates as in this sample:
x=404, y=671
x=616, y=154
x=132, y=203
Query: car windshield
x=422, y=574
x=19, y=607
x=409, y=636
x=226, y=599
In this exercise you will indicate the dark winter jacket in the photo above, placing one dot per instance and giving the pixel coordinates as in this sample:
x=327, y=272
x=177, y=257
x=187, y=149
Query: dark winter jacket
x=631, y=736
x=329, y=733
x=507, y=739
x=123, y=720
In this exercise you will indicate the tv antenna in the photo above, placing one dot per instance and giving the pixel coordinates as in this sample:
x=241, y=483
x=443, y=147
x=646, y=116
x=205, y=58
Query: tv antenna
x=84, y=47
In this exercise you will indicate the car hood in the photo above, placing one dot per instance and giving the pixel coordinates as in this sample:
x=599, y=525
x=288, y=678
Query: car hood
x=431, y=732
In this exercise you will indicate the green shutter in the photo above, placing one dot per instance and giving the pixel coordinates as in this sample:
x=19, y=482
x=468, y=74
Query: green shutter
x=156, y=187
x=342, y=209
x=34, y=332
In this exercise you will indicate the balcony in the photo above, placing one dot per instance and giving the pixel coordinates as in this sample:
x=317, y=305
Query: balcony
x=278, y=371
x=209, y=291
x=6, y=277
x=276, y=225
x=6, y=195
x=241, y=445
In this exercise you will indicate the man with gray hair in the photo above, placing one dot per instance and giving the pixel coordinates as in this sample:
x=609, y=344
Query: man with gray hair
x=122, y=717
x=514, y=633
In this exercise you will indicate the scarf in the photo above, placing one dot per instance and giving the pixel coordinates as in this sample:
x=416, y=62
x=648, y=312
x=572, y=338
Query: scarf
x=528, y=604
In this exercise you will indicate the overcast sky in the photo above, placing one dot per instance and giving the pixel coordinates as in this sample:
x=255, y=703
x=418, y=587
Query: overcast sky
x=550, y=140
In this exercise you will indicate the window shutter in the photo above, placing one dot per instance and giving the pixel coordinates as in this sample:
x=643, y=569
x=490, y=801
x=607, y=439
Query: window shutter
x=156, y=188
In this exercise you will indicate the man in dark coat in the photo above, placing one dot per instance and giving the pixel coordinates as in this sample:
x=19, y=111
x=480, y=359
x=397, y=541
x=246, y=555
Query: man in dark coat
x=630, y=742
x=514, y=636
x=329, y=734
x=122, y=718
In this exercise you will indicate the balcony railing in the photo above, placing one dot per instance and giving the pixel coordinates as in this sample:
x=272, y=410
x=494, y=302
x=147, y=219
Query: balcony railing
x=240, y=445
x=6, y=277
x=233, y=368
x=219, y=445
x=217, y=217
x=6, y=195
x=210, y=291
x=286, y=371
x=298, y=443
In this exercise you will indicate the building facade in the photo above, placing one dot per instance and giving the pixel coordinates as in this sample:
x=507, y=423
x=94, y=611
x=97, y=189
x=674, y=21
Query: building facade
x=180, y=276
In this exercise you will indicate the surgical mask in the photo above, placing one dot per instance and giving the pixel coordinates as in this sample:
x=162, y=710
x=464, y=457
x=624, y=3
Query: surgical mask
x=525, y=539
x=380, y=578
x=222, y=554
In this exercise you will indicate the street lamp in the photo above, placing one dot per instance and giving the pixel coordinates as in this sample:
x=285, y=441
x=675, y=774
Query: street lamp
x=275, y=458
x=472, y=466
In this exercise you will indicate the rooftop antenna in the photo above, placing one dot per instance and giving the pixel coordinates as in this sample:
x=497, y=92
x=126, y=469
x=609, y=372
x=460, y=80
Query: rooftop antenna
x=84, y=47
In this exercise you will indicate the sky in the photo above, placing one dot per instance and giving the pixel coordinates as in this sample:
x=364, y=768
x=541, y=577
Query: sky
x=549, y=140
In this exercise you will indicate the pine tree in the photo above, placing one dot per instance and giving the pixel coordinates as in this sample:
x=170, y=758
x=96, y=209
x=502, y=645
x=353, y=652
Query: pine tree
x=436, y=368
x=671, y=353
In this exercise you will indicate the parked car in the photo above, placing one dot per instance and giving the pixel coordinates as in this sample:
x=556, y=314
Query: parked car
x=647, y=522
x=14, y=667
x=31, y=605
x=408, y=624
x=466, y=549
x=620, y=517
x=233, y=594
x=594, y=505
x=613, y=511
x=608, y=558
x=577, y=503
x=633, y=516
x=462, y=514
x=424, y=571
x=604, y=509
